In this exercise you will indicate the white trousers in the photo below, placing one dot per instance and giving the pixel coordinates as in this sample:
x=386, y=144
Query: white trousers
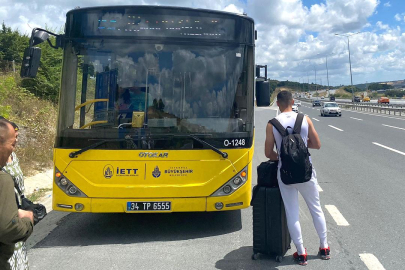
x=310, y=193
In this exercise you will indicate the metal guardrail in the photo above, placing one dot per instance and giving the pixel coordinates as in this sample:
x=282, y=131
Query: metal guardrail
x=374, y=104
x=395, y=109
x=377, y=109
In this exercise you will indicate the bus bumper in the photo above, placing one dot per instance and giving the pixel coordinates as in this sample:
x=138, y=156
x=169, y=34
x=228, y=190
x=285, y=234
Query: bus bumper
x=238, y=200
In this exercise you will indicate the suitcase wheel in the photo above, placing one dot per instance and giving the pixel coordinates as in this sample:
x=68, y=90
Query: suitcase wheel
x=255, y=256
x=279, y=258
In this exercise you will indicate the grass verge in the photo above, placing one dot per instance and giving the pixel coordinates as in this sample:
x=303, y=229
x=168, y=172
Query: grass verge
x=37, y=195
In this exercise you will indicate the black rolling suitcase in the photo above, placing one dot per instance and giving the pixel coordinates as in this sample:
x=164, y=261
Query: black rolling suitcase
x=270, y=231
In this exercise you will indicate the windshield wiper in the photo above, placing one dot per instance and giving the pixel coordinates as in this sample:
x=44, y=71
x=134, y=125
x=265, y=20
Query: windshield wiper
x=194, y=137
x=97, y=144
x=213, y=148
x=129, y=140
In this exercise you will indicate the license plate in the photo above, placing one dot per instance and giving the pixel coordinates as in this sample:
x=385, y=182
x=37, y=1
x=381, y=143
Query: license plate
x=149, y=206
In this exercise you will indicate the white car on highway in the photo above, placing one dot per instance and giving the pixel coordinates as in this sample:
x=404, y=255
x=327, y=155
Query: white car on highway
x=330, y=108
x=295, y=108
x=297, y=102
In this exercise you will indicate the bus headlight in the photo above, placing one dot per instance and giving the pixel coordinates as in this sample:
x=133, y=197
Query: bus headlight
x=72, y=190
x=227, y=189
x=237, y=181
x=68, y=187
x=232, y=185
x=63, y=181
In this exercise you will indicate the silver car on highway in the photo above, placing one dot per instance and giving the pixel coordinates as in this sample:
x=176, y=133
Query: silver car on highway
x=330, y=108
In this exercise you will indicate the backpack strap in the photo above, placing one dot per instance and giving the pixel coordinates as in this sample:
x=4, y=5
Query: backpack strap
x=283, y=132
x=298, y=123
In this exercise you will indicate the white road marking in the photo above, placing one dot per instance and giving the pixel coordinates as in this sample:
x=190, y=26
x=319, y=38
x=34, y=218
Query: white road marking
x=371, y=261
x=336, y=215
x=389, y=148
x=335, y=128
x=319, y=188
x=356, y=119
x=393, y=127
x=315, y=119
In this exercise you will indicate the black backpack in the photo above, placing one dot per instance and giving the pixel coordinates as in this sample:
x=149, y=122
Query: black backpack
x=295, y=165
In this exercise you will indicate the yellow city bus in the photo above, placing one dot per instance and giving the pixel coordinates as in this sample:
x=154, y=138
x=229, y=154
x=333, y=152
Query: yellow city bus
x=156, y=110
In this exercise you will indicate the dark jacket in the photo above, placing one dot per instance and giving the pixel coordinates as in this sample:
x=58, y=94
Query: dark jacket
x=12, y=228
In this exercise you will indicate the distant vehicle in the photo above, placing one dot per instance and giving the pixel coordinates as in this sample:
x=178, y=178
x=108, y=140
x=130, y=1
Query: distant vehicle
x=330, y=108
x=316, y=103
x=356, y=99
x=295, y=108
x=383, y=100
x=322, y=97
x=366, y=99
x=297, y=102
x=332, y=98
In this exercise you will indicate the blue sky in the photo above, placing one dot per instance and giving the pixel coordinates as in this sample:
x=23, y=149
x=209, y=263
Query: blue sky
x=386, y=14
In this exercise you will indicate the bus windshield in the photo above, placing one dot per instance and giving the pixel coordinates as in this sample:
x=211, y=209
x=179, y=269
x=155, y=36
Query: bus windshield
x=121, y=87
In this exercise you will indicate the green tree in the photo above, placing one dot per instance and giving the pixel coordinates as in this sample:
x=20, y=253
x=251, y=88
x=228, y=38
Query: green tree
x=379, y=86
x=349, y=89
x=47, y=83
x=12, y=44
x=395, y=93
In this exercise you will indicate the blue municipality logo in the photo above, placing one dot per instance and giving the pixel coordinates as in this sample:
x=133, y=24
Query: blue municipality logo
x=156, y=173
x=108, y=171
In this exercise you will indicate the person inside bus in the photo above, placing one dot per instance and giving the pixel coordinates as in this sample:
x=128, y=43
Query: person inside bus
x=133, y=99
x=125, y=103
x=15, y=224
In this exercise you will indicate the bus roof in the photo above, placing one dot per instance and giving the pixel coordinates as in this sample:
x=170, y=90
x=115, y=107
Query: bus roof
x=162, y=8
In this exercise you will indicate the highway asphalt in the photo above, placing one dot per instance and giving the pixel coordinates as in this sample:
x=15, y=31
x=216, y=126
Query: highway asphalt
x=360, y=177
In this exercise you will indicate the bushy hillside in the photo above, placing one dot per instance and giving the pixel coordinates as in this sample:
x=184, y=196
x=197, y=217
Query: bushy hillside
x=37, y=121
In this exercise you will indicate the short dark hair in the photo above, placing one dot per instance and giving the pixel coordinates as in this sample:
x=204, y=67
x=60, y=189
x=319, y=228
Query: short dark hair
x=16, y=128
x=284, y=98
x=4, y=130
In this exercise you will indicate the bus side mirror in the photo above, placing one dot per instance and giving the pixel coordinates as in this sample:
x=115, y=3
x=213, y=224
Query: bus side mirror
x=39, y=37
x=257, y=71
x=30, y=64
x=262, y=93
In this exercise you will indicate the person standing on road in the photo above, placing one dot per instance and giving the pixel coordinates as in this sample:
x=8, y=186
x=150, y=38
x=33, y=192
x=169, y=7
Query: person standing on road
x=19, y=260
x=308, y=190
x=15, y=224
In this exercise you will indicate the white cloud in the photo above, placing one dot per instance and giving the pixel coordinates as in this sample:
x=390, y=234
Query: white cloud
x=234, y=9
x=292, y=37
x=387, y=4
x=380, y=25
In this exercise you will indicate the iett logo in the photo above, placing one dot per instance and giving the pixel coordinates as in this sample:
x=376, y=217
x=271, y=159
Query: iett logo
x=108, y=171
